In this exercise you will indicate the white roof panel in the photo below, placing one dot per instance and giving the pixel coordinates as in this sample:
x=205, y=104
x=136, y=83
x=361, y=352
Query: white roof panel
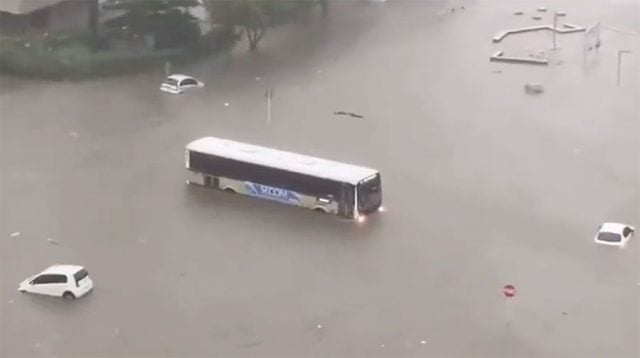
x=63, y=269
x=179, y=77
x=293, y=162
x=615, y=228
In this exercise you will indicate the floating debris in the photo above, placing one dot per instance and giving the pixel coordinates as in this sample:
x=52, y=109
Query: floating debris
x=341, y=113
x=496, y=71
x=565, y=29
x=320, y=71
x=226, y=104
x=257, y=78
x=382, y=346
x=73, y=134
x=561, y=13
x=533, y=88
x=319, y=326
x=542, y=9
x=518, y=13
x=499, y=57
x=423, y=342
x=564, y=313
x=250, y=344
x=117, y=331
x=536, y=17
x=11, y=301
x=15, y=234
x=52, y=241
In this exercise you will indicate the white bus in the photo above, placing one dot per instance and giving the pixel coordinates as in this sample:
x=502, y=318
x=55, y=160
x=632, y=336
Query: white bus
x=331, y=187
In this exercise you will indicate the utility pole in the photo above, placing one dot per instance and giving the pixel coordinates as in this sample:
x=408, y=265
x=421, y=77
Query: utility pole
x=620, y=52
x=268, y=95
x=509, y=292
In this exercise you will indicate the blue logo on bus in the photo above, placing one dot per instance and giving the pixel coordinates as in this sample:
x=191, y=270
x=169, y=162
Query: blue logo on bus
x=272, y=193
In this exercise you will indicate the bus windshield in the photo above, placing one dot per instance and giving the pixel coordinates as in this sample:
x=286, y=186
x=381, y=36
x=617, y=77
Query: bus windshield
x=369, y=194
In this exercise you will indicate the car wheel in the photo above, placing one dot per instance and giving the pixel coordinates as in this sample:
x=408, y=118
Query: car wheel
x=230, y=190
x=68, y=296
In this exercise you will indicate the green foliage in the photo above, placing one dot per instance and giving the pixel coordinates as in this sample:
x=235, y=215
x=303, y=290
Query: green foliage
x=256, y=12
x=70, y=57
x=167, y=20
x=254, y=16
x=281, y=12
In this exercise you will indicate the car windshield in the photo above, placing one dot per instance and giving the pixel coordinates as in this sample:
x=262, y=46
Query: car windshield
x=369, y=194
x=80, y=275
x=609, y=237
x=171, y=82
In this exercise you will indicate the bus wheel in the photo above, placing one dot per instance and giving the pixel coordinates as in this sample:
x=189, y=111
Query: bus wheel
x=229, y=190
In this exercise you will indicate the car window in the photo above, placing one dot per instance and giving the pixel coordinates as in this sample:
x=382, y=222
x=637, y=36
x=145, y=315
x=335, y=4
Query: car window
x=188, y=82
x=50, y=278
x=171, y=81
x=626, y=231
x=80, y=275
x=42, y=279
x=58, y=279
x=609, y=237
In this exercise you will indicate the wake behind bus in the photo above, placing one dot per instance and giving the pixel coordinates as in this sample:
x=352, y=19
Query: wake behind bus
x=341, y=189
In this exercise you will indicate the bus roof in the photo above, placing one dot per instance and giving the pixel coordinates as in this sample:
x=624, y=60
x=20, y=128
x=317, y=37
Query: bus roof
x=292, y=162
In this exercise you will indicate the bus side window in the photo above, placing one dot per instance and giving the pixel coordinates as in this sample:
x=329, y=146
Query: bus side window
x=267, y=176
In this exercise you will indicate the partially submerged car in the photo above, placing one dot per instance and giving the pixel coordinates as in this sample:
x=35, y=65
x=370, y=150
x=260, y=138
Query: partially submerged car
x=67, y=281
x=177, y=83
x=614, y=234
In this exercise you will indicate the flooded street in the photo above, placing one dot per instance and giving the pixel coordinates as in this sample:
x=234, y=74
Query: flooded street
x=484, y=186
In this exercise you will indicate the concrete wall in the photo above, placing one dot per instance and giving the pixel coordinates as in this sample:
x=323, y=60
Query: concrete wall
x=66, y=16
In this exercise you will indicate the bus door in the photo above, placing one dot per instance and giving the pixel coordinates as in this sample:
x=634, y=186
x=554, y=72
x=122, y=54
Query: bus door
x=347, y=200
x=211, y=181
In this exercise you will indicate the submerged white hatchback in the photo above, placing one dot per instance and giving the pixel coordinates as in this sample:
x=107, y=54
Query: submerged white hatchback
x=67, y=281
x=614, y=234
x=177, y=83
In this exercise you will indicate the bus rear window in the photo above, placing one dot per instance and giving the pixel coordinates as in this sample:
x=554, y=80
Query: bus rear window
x=369, y=194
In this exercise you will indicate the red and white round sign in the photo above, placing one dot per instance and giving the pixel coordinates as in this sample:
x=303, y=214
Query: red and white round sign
x=509, y=291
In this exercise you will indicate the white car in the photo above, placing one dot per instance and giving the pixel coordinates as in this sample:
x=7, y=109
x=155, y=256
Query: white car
x=614, y=234
x=176, y=84
x=67, y=281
